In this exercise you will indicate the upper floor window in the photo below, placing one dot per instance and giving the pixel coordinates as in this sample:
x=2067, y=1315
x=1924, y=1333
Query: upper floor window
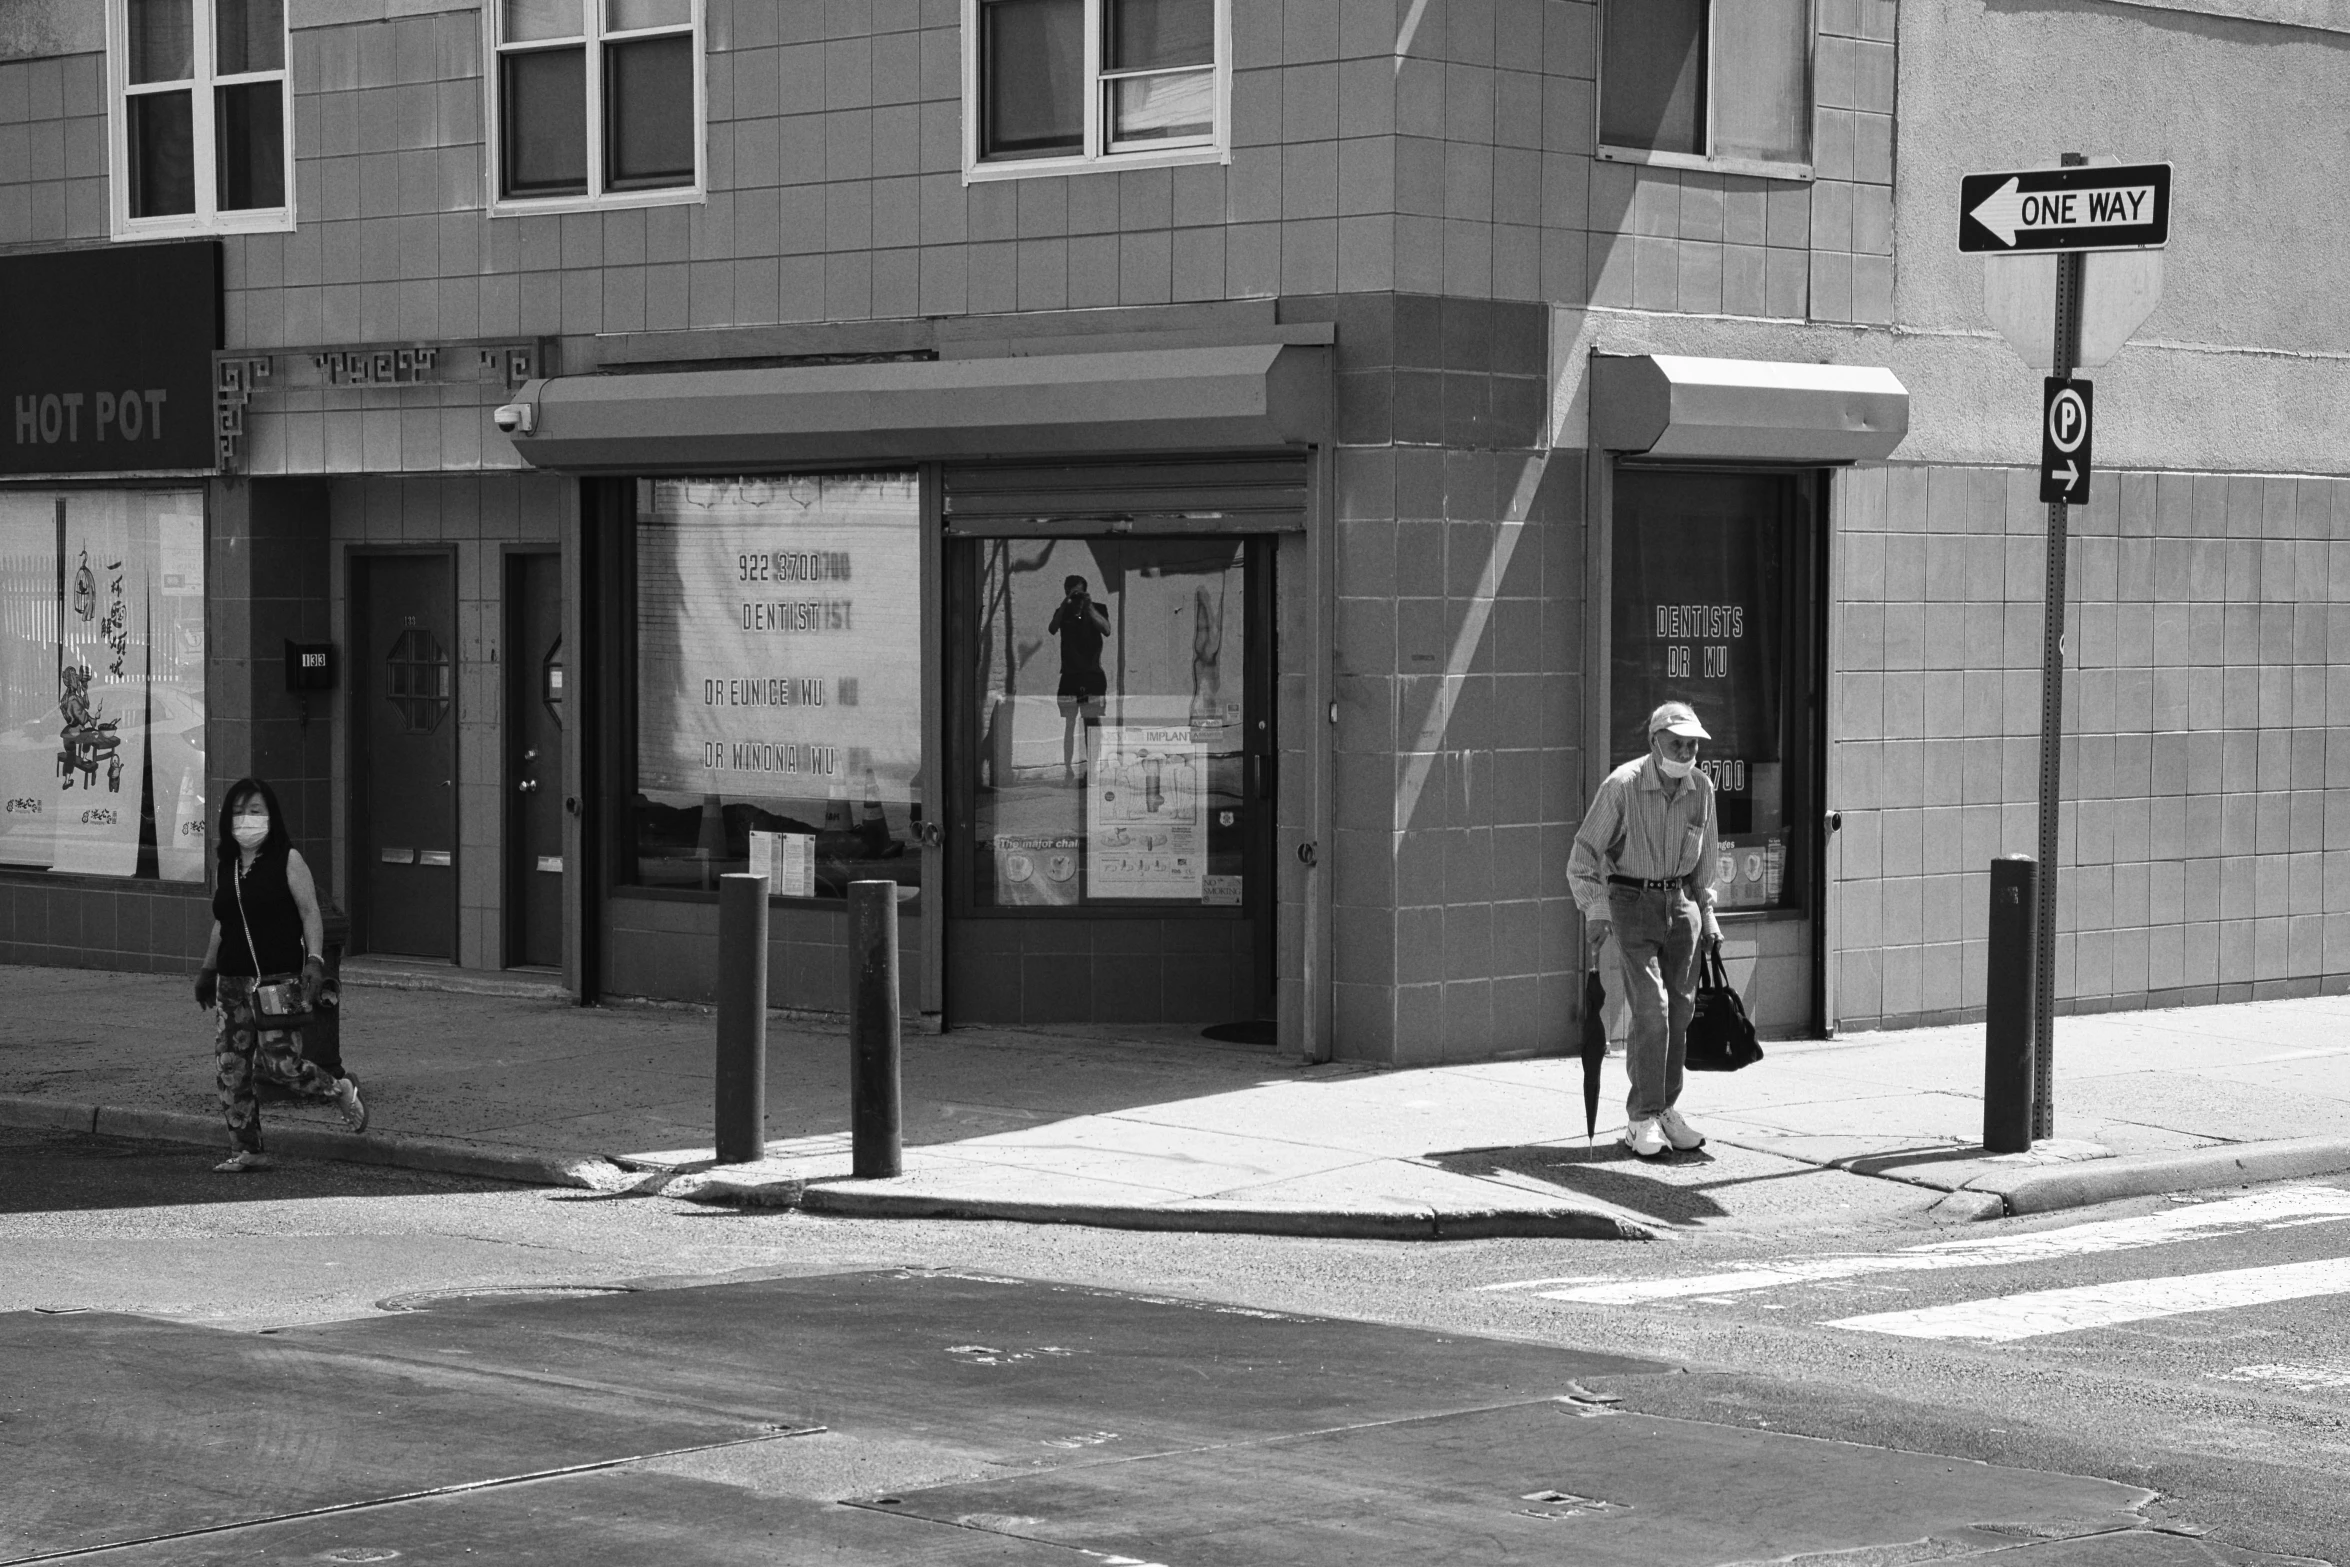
x=597, y=100
x=1719, y=83
x=1061, y=85
x=198, y=116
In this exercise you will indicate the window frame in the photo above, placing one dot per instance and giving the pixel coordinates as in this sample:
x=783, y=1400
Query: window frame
x=202, y=85
x=591, y=42
x=1765, y=168
x=1098, y=153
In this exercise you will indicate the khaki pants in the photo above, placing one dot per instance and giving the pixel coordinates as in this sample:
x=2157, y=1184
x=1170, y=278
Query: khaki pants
x=1656, y=945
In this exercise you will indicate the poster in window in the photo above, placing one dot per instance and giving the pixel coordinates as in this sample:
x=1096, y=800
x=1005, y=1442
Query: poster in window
x=1036, y=869
x=175, y=688
x=101, y=722
x=1146, y=815
x=780, y=639
x=28, y=676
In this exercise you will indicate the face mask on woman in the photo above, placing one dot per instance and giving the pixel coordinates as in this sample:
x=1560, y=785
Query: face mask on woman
x=250, y=827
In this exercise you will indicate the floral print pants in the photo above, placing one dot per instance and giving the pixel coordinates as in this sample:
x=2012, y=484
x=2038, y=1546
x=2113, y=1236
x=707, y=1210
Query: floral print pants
x=245, y=1052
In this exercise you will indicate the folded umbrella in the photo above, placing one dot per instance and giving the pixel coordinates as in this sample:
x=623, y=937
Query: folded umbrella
x=1594, y=1048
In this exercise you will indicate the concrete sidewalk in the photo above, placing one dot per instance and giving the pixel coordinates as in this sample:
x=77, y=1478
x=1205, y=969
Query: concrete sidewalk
x=1160, y=1129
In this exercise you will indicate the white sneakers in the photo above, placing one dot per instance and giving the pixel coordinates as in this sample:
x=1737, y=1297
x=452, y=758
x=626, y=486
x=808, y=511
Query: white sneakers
x=347, y=1100
x=1684, y=1137
x=1653, y=1137
x=1645, y=1138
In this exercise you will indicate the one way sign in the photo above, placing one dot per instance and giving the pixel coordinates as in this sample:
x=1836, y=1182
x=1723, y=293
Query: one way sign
x=2097, y=207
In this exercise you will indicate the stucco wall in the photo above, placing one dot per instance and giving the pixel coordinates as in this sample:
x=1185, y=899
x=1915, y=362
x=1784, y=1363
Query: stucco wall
x=2242, y=367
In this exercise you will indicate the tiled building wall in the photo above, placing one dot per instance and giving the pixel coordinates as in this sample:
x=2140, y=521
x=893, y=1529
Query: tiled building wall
x=475, y=518
x=1727, y=244
x=1459, y=643
x=2206, y=838
x=99, y=923
x=266, y=584
x=667, y=945
x=1463, y=168
x=53, y=149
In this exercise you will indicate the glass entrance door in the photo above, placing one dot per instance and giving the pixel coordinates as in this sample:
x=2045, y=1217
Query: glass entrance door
x=1113, y=752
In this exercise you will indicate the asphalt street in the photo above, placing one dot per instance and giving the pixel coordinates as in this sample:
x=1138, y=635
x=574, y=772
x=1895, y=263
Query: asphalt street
x=2183, y=1358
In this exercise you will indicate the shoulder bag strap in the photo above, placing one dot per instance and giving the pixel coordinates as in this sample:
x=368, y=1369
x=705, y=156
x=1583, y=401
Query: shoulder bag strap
x=252, y=951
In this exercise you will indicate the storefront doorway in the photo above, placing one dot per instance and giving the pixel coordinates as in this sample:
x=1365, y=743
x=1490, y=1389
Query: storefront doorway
x=535, y=693
x=1111, y=752
x=404, y=772
x=1714, y=602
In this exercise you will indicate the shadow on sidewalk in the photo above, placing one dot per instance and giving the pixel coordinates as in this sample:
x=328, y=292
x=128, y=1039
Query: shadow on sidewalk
x=1671, y=1189
x=72, y=1172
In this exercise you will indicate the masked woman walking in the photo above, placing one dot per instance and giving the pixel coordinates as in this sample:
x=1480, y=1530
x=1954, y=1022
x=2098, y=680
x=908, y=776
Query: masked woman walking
x=265, y=924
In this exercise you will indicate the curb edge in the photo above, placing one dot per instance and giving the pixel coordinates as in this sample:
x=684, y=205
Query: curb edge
x=440, y=1155
x=2155, y=1175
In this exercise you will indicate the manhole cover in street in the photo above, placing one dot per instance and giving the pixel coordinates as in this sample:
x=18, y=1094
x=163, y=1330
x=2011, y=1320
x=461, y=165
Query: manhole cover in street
x=425, y=1300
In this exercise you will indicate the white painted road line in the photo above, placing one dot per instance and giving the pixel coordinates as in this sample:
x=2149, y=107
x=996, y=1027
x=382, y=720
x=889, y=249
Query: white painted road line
x=2202, y=1221
x=2037, y=1313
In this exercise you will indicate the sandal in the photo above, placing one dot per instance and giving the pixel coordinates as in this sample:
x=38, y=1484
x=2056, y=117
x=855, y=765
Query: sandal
x=242, y=1160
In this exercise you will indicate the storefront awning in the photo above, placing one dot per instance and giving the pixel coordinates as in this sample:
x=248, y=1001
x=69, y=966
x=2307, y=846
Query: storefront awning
x=1249, y=396
x=1745, y=410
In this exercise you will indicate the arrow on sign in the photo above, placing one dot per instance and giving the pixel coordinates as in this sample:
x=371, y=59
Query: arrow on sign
x=2069, y=473
x=2106, y=206
x=2008, y=209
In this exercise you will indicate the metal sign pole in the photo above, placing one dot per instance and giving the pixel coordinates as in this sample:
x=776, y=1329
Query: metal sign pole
x=2070, y=266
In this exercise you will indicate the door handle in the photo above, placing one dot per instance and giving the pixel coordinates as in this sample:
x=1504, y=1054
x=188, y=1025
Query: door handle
x=1260, y=775
x=528, y=786
x=1835, y=821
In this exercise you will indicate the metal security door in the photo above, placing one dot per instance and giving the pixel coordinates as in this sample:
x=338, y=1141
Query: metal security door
x=406, y=777
x=534, y=760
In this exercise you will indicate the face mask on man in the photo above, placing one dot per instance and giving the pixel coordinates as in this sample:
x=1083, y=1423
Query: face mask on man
x=250, y=830
x=1673, y=769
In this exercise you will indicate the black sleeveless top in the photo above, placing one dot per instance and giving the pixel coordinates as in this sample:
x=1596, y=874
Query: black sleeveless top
x=271, y=913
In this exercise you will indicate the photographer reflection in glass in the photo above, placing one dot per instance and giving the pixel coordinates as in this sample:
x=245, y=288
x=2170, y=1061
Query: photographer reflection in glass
x=1083, y=626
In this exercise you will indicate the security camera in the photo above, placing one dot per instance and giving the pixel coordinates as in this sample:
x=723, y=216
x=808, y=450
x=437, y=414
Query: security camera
x=516, y=418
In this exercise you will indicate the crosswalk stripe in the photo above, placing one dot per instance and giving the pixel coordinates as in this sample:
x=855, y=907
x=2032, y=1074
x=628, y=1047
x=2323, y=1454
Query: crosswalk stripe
x=2202, y=1221
x=2037, y=1313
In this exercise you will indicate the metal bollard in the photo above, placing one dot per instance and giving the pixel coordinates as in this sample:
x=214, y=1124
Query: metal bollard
x=876, y=1113
x=741, y=1117
x=2008, y=989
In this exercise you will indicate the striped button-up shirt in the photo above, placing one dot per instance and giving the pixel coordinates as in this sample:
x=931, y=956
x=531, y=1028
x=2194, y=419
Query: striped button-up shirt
x=1644, y=824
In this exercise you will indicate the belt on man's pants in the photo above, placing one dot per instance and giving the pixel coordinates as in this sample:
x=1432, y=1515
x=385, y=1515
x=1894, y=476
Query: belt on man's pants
x=1647, y=884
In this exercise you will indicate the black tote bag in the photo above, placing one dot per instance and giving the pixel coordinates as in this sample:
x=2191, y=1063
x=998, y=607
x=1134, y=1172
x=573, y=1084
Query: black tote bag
x=1721, y=1036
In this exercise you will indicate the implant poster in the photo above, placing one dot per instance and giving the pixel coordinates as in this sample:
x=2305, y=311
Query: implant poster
x=779, y=638
x=1146, y=815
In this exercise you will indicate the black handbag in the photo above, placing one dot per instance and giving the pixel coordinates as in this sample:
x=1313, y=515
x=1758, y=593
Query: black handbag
x=1721, y=1036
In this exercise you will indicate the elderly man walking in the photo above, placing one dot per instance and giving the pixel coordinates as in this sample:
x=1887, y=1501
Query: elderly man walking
x=1643, y=868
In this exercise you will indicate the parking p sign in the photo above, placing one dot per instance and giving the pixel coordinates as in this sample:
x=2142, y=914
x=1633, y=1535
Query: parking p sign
x=2065, y=407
